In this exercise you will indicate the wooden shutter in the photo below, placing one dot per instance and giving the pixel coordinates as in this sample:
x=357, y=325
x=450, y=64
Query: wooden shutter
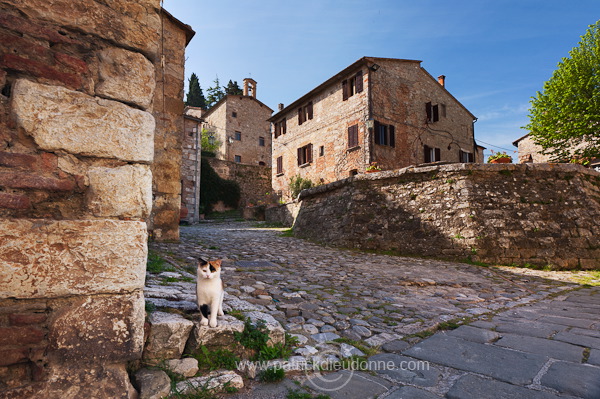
x=279, y=165
x=438, y=154
x=359, y=81
x=309, y=151
x=392, y=133
x=352, y=136
x=283, y=126
x=344, y=90
x=471, y=157
x=310, y=110
x=300, y=156
x=436, y=113
x=428, y=111
x=461, y=156
x=427, y=152
x=300, y=116
x=376, y=130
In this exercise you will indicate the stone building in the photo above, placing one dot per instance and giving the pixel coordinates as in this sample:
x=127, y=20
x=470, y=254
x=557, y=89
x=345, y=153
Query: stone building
x=239, y=124
x=190, y=166
x=530, y=152
x=168, y=107
x=388, y=111
x=79, y=107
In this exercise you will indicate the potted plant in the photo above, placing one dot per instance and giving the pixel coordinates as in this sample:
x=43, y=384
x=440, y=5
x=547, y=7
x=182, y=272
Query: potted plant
x=373, y=167
x=500, y=157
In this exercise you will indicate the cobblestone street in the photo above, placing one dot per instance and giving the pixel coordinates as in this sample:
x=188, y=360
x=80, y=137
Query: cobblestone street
x=319, y=294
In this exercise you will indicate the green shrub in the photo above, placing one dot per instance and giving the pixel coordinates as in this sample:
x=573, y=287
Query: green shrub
x=298, y=184
x=213, y=189
x=272, y=374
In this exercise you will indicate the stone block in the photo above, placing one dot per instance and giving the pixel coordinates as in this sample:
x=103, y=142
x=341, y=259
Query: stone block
x=70, y=257
x=67, y=120
x=551, y=348
x=276, y=331
x=580, y=380
x=215, y=380
x=14, y=201
x=475, y=387
x=221, y=336
x=152, y=384
x=168, y=334
x=124, y=191
x=187, y=367
x=126, y=76
x=99, y=328
x=132, y=24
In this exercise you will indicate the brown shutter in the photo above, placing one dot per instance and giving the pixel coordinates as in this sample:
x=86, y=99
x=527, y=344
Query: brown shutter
x=436, y=113
x=359, y=82
x=392, y=132
x=428, y=111
x=300, y=116
x=300, y=157
x=279, y=165
x=310, y=110
x=283, y=126
x=460, y=156
x=471, y=157
x=344, y=90
x=376, y=130
x=438, y=154
x=309, y=151
x=350, y=144
x=427, y=157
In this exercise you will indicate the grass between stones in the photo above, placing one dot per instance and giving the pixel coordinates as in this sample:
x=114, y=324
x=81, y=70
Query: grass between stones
x=303, y=395
x=156, y=264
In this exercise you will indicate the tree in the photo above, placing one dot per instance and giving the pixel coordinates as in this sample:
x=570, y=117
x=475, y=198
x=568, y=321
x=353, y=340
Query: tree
x=565, y=117
x=208, y=142
x=195, y=97
x=233, y=88
x=215, y=93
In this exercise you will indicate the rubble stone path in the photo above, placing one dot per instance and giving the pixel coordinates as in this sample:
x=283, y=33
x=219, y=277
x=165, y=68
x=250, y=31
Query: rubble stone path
x=548, y=348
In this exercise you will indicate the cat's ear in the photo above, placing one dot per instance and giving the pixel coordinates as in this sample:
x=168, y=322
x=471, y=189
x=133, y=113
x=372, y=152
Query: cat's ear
x=201, y=262
x=216, y=263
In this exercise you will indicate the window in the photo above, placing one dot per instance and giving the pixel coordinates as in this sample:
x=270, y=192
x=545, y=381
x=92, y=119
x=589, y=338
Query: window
x=238, y=136
x=352, y=136
x=279, y=165
x=465, y=156
x=261, y=141
x=237, y=159
x=434, y=111
x=234, y=114
x=432, y=154
x=280, y=128
x=385, y=134
x=352, y=85
x=305, y=113
x=321, y=150
x=305, y=155
x=261, y=163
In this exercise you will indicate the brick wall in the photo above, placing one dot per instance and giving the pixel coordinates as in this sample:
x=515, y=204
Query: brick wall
x=77, y=84
x=508, y=214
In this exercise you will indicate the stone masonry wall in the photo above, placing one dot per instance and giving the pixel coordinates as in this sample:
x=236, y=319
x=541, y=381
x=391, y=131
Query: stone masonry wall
x=168, y=112
x=508, y=214
x=190, y=168
x=77, y=82
x=254, y=180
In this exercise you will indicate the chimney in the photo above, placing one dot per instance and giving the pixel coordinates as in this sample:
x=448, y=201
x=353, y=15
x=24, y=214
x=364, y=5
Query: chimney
x=442, y=80
x=280, y=107
x=250, y=87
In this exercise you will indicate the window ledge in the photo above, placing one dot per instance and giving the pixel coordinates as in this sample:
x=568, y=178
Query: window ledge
x=304, y=165
x=279, y=174
x=356, y=147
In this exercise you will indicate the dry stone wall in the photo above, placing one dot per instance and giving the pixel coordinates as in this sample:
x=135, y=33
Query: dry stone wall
x=77, y=84
x=539, y=214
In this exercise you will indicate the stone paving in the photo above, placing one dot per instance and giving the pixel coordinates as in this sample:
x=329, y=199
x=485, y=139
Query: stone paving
x=518, y=343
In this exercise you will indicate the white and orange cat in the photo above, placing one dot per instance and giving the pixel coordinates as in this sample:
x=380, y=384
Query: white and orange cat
x=209, y=291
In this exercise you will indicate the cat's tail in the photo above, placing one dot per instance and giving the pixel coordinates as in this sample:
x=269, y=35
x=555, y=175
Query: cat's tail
x=204, y=311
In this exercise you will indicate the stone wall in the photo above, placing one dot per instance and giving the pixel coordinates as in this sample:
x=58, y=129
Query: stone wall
x=254, y=181
x=540, y=214
x=163, y=224
x=77, y=81
x=190, y=169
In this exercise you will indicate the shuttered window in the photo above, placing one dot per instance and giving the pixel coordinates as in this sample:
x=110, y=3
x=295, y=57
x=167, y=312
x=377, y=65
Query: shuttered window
x=305, y=154
x=432, y=111
x=432, y=154
x=345, y=90
x=352, y=136
x=300, y=116
x=465, y=156
x=385, y=134
x=279, y=165
x=359, y=81
x=352, y=85
x=309, y=110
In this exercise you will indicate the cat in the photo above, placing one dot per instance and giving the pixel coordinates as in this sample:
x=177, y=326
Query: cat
x=209, y=291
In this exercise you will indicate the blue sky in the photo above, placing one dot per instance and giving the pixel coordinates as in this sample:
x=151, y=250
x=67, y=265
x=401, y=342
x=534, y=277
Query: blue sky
x=495, y=54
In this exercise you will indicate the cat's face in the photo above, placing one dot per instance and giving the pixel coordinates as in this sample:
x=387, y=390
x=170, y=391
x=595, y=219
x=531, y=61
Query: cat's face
x=210, y=269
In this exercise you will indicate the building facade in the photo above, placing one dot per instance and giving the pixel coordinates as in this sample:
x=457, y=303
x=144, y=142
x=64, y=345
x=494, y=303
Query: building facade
x=190, y=165
x=378, y=110
x=239, y=124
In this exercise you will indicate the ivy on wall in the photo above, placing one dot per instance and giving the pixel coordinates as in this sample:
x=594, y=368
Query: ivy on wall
x=213, y=189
